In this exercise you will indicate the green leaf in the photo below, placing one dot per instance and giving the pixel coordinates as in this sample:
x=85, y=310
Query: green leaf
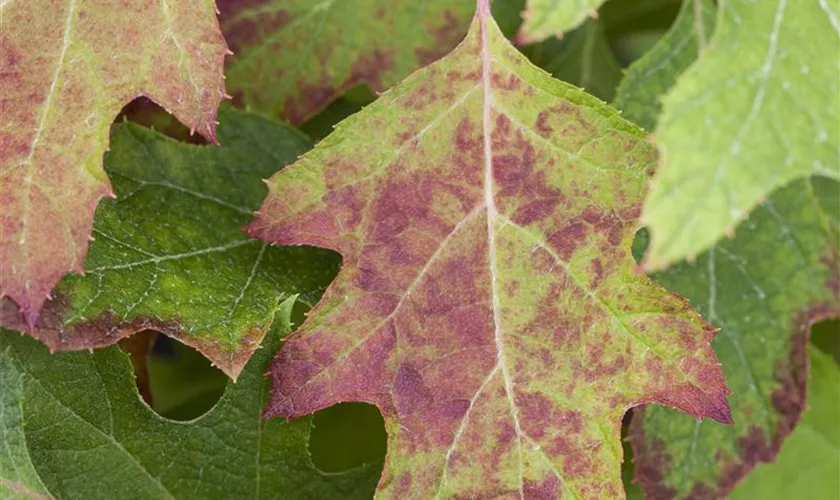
x=758, y=110
x=547, y=18
x=582, y=58
x=18, y=479
x=88, y=432
x=292, y=58
x=67, y=68
x=169, y=253
x=810, y=457
x=763, y=289
x=657, y=71
x=488, y=302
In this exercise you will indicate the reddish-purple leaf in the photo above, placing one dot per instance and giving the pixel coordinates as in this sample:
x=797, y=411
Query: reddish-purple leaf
x=66, y=69
x=488, y=303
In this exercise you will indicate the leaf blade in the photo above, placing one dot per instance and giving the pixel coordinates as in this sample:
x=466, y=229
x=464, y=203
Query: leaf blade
x=61, y=92
x=708, y=183
x=417, y=306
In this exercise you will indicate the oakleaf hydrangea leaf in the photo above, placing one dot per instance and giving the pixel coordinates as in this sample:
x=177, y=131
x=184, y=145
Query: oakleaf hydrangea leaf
x=169, y=252
x=764, y=303
x=488, y=302
x=552, y=18
x=766, y=96
x=67, y=67
x=88, y=432
x=657, y=71
x=810, y=457
x=292, y=58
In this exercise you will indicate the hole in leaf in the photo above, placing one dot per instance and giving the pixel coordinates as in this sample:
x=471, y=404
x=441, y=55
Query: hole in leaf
x=183, y=383
x=826, y=336
x=144, y=111
x=633, y=490
x=139, y=349
x=640, y=244
x=346, y=436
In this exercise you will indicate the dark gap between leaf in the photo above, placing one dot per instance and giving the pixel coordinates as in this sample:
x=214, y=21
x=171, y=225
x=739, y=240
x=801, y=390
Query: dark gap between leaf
x=633, y=27
x=351, y=102
x=640, y=244
x=825, y=335
x=139, y=349
x=634, y=492
x=182, y=382
x=346, y=436
x=144, y=111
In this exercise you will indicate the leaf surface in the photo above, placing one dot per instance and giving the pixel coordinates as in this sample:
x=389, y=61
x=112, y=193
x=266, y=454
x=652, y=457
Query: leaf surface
x=488, y=302
x=292, y=58
x=552, y=18
x=18, y=478
x=810, y=457
x=766, y=95
x=66, y=69
x=582, y=58
x=88, y=431
x=169, y=253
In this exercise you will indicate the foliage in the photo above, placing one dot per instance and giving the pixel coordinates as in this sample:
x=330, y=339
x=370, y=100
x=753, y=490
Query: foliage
x=480, y=213
x=67, y=69
x=97, y=435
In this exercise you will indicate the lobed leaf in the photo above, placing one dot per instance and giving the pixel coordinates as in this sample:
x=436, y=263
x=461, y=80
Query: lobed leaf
x=766, y=96
x=169, y=253
x=66, y=68
x=88, y=432
x=488, y=302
